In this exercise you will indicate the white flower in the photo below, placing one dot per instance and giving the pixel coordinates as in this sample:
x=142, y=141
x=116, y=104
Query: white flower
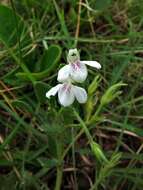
x=67, y=93
x=76, y=69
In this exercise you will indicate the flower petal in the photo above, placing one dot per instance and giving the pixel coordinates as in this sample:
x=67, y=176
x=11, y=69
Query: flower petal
x=66, y=95
x=63, y=73
x=53, y=91
x=78, y=73
x=92, y=64
x=80, y=94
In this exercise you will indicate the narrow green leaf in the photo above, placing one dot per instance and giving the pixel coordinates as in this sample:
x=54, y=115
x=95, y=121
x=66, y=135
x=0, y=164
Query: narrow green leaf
x=12, y=27
x=22, y=105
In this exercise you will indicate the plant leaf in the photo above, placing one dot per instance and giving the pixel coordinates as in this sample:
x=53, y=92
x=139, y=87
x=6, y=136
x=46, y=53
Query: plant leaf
x=48, y=64
x=22, y=105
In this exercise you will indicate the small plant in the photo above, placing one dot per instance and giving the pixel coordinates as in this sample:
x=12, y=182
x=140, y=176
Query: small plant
x=76, y=71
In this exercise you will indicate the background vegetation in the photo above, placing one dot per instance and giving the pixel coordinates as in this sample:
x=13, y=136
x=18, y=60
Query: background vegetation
x=93, y=146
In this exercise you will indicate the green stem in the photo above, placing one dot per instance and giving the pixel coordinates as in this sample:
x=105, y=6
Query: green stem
x=74, y=159
x=59, y=177
x=60, y=165
x=94, y=117
x=95, y=185
x=94, y=146
x=84, y=126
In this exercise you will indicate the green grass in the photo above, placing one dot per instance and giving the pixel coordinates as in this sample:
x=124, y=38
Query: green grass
x=93, y=146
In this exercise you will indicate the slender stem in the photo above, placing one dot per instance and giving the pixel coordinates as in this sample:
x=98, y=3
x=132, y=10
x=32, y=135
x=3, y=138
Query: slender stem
x=84, y=126
x=60, y=166
x=93, y=118
x=74, y=160
x=78, y=23
x=90, y=21
x=59, y=177
x=85, y=130
x=71, y=144
x=95, y=185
